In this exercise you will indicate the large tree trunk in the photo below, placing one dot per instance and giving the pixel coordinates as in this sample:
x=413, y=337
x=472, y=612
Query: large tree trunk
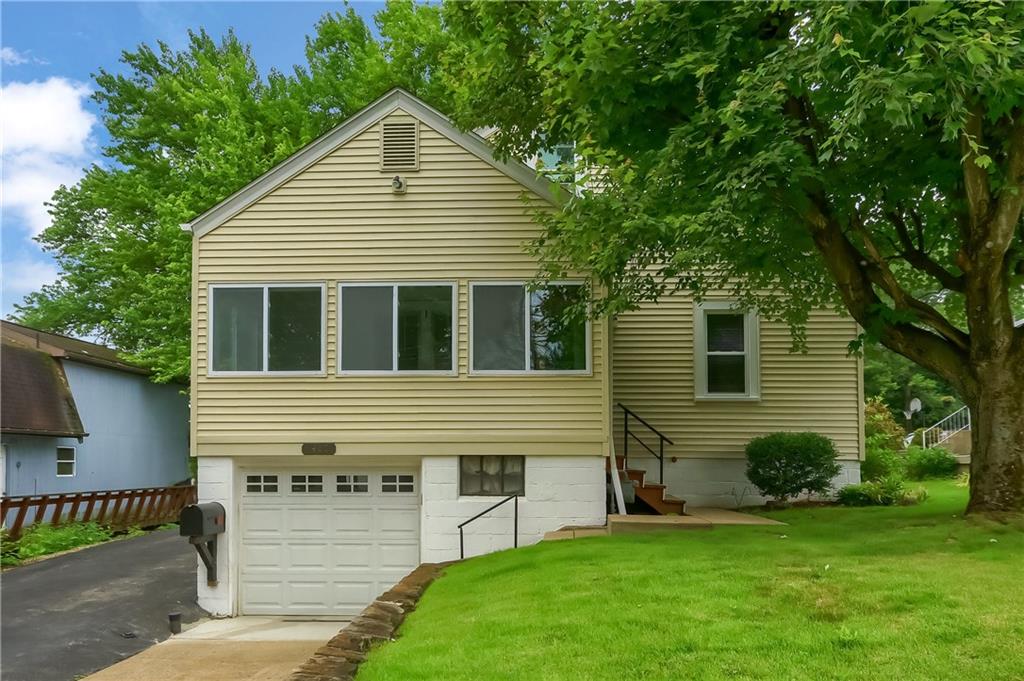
x=997, y=439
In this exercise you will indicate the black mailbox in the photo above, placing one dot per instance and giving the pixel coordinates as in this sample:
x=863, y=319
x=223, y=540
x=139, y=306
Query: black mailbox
x=201, y=523
x=201, y=520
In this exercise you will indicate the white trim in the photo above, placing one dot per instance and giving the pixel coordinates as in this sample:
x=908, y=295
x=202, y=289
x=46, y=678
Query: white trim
x=394, y=371
x=751, y=352
x=528, y=371
x=211, y=372
x=73, y=462
x=318, y=149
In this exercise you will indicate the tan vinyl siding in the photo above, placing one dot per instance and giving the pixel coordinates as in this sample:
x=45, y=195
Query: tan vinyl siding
x=461, y=220
x=653, y=353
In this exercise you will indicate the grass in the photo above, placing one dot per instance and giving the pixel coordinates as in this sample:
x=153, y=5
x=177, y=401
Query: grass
x=840, y=593
x=44, y=539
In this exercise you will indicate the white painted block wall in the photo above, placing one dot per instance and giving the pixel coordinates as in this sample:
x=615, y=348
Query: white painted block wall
x=216, y=481
x=560, y=491
x=721, y=483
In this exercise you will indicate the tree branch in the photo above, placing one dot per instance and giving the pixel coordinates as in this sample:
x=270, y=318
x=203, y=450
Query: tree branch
x=1011, y=195
x=976, y=185
x=915, y=254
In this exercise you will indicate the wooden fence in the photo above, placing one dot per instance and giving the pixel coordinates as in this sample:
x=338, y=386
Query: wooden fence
x=118, y=508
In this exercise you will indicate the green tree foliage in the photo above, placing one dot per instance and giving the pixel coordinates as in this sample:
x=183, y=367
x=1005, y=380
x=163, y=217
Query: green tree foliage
x=187, y=129
x=867, y=157
x=895, y=380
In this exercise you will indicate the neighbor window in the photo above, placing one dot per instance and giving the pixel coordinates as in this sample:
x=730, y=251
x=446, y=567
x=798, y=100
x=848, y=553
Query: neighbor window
x=558, y=162
x=397, y=327
x=515, y=329
x=65, y=462
x=267, y=328
x=491, y=475
x=726, y=352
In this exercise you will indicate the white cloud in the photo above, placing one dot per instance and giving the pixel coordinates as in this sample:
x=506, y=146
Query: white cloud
x=45, y=140
x=23, y=276
x=11, y=57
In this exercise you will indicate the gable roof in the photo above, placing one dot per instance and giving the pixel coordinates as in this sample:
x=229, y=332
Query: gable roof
x=65, y=347
x=35, y=394
x=394, y=100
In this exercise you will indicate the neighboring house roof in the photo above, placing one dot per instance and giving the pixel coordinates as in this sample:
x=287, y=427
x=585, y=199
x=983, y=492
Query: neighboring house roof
x=35, y=394
x=318, y=149
x=64, y=347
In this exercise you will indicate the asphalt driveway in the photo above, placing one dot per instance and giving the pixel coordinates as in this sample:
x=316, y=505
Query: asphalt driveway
x=68, y=616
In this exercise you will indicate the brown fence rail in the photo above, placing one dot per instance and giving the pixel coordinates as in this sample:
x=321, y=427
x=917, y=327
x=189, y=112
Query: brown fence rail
x=117, y=508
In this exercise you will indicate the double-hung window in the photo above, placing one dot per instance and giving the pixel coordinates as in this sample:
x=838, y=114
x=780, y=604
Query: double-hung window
x=267, y=328
x=392, y=328
x=726, y=352
x=518, y=330
x=65, y=462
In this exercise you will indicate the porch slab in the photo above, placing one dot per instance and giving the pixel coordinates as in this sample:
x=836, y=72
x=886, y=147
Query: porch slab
x=619, y=524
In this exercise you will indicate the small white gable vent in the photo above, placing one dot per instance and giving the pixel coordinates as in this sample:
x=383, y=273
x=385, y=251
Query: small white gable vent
x=399, y=145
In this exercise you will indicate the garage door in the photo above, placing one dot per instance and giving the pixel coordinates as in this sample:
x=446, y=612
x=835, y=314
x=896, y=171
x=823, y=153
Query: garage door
x=325, y=542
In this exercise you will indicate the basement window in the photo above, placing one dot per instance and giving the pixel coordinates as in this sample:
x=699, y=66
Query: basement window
x=267, y=329
x=726, y=353
x=491, y=476
x=65, y=462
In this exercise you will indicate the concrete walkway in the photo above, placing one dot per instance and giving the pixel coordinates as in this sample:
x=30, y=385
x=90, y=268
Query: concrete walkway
x=237, y=649
x=695, y=519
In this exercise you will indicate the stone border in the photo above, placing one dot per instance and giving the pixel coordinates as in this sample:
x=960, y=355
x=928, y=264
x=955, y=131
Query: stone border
x=340, y=658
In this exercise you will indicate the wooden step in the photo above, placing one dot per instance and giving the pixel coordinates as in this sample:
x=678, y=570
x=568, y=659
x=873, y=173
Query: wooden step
x=654, y=497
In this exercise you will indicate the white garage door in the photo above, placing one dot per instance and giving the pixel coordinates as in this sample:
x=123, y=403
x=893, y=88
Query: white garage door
x=325, y=542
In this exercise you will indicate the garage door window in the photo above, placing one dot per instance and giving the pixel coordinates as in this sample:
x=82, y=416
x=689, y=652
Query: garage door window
x=397, y=484
x=307, y=483
x=261, y=483
x=353, y=484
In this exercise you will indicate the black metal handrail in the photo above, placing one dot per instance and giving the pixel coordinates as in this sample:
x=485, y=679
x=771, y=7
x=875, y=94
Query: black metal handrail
x=662, y=439
x=515, y=523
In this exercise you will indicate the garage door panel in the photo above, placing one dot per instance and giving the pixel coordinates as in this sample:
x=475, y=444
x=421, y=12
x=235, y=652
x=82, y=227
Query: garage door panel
x=324, y=553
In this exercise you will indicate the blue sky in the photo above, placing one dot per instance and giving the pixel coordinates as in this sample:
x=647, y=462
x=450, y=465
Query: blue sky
x=51, y=129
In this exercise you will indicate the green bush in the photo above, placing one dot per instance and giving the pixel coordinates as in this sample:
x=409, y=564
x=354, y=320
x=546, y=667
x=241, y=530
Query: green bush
x=929, y=463
x=8, y=549
x=880, y=426
x=879, y=461
x=885, y=492
x=40, y=540
x=782, y=465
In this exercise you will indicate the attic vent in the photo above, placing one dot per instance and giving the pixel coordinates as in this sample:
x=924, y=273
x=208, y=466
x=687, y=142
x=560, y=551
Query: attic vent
x=399, y=148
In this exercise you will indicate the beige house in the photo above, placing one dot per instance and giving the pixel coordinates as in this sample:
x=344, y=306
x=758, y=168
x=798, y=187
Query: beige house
x=371, y=370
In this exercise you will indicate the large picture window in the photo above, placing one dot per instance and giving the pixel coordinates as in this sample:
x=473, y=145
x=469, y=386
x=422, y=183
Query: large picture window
x=515, y=329
x=268, y=328
x=397, y=327
x=726, y=352
x=491, y=475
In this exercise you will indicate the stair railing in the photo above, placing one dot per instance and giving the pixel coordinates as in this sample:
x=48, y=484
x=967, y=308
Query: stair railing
x=947, y=427
x=627, y=433
x=515, y=523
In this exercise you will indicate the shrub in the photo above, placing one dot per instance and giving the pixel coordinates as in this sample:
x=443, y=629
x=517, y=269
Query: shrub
x=935, y=462
x=880, y=425
x=884, y=492
x=40, y=540
x=879, y=461
x=782, y=465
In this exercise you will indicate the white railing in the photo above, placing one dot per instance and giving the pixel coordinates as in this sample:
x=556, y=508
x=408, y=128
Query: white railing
x=946, y=428
x=613, y=473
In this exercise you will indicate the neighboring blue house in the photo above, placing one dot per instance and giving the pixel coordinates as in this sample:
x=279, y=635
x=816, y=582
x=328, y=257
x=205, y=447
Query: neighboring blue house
x=74, y=418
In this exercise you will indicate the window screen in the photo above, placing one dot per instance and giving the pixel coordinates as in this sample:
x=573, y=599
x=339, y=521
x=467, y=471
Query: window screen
x=491, y=475
x=366, y=328
x=499, y=328
x=294, y=328
x=558, y=340
x=424, y=328
x=237, y=329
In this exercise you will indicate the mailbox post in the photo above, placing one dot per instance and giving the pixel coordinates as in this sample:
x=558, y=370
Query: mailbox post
x=202, y=524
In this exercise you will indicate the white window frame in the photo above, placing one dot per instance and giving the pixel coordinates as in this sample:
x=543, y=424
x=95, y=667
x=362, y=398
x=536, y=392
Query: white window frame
x=73, y=462
x=751, y=351
x=352, y=483
x=529, y=371
x=394, y=371
x=322, y=371
x=262, y=483
x=325, y=486
x=397, y=483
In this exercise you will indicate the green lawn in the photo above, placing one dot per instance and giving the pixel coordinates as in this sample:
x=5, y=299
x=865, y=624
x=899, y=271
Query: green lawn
x=868, y=593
